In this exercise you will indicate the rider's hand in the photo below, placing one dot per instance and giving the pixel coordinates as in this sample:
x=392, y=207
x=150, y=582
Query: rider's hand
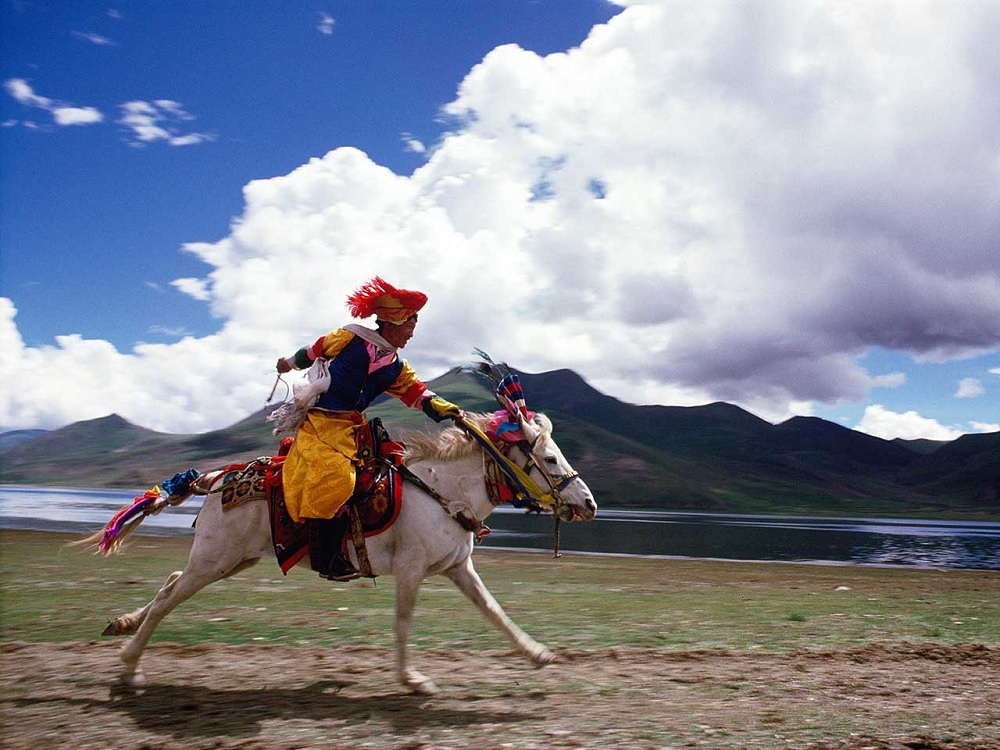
x=439, y=410
x=283, y=366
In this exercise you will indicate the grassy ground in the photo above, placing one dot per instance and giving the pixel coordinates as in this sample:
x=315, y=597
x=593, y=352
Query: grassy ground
x=50, y=592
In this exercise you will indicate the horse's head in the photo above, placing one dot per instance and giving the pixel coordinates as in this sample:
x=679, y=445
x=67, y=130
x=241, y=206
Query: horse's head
x=548, y=467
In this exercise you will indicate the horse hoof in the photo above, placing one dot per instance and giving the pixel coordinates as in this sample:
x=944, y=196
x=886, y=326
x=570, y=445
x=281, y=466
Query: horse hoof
x=132, y=681
x=543, y=657
x=418, y=684
x=119, y=626
x=427, y=687
x=128, y=686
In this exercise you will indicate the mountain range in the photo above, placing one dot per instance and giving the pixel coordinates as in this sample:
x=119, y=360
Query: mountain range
x=712, y=458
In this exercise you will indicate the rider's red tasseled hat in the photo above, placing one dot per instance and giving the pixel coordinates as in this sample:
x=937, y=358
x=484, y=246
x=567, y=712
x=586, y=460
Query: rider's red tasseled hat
x=381, y=299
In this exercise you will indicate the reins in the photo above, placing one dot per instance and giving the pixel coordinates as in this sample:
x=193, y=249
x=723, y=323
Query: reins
x=467, y=522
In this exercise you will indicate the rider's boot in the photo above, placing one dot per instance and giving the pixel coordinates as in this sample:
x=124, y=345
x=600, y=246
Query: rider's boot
x=341, y=568
x=321, y=544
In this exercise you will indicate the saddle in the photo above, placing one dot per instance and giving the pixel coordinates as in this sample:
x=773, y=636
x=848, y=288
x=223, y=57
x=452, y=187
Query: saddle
x=373, y=508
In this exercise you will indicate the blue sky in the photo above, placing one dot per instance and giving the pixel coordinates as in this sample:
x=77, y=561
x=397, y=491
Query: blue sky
x=93, y=217
x=792, y=207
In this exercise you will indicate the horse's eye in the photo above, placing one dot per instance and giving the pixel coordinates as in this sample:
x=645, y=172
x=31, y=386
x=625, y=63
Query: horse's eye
x=551, y=460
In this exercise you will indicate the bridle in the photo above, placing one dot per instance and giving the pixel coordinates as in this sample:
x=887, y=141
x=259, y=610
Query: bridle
x=556, y=483
x=520, y=476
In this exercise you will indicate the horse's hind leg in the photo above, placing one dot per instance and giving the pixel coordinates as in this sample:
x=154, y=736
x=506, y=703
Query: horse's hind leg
x=180, y=587
x=128, y=623
x=464, y=576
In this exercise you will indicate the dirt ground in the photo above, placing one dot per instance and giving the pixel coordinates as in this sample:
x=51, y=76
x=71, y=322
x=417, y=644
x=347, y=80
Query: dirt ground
x=898, y=697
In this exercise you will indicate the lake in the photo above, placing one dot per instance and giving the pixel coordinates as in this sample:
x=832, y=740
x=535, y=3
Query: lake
x=862, y=541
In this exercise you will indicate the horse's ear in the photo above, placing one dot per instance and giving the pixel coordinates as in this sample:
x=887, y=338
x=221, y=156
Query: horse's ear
x=527, y=426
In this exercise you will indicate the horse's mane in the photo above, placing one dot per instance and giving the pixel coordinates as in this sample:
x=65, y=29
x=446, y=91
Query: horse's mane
x=453, y=443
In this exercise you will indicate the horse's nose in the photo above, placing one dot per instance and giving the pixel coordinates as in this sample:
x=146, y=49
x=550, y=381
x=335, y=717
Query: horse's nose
x=591, y=506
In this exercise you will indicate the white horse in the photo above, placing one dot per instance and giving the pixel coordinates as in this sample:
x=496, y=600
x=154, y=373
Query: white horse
x=424, y=541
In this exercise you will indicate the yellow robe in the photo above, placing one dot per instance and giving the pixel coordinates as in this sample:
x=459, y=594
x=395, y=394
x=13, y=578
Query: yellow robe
x=319, y=472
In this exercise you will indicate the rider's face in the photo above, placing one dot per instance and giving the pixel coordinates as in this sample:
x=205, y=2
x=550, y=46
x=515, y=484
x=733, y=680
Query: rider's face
x=399, y=335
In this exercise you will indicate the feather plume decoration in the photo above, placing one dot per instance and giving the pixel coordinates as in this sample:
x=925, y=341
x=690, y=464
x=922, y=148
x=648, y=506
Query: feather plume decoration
x=506, y=385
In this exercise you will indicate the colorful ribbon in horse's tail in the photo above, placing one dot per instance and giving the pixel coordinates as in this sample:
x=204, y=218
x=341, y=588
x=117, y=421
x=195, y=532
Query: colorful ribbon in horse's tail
x=125, y=519
x=171, y=491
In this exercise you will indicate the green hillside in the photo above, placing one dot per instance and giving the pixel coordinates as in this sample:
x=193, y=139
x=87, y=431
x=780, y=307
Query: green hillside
x=716, y=457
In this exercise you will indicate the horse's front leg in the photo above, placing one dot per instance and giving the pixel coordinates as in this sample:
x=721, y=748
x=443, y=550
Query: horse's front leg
x=464, y=576
x=407, y=587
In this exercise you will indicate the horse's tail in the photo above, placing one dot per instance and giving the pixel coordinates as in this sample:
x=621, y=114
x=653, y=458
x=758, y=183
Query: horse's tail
x=111, y=539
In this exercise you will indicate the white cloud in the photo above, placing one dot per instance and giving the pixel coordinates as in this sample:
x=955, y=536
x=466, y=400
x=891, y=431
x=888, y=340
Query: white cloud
x=985, y=426
x=62, y=114
x=97, y=39
x=970, y=388
x=889, y=380
x=995, y=370
x=196, y=288
x=881, y=422
x=170, y=108
x=174, y=332
x=23, y=93
x=413, y=145
x=326, y=24
x=159, y=120
x=170, y=387
x=76, y=115
x=190, y=139
x=711, y=201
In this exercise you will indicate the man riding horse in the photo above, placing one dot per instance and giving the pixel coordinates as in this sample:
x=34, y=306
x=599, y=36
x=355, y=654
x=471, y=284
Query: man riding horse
x=319, y=472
